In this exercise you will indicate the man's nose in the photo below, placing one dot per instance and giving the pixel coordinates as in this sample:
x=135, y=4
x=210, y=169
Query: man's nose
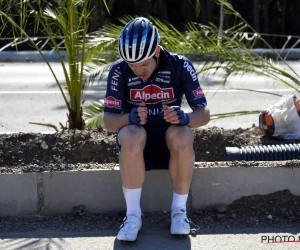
x=138, y=71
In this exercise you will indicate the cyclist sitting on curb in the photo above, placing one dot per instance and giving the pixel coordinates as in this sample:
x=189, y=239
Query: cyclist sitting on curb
x=143, y=104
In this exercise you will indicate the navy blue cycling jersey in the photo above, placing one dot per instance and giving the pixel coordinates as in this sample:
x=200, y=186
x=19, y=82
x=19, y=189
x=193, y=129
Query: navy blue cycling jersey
x=175, y=77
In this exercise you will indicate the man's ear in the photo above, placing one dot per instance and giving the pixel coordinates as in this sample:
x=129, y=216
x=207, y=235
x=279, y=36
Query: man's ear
x=157, y=51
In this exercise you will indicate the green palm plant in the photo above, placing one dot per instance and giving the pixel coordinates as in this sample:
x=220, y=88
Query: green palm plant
x=224, y=52
x=65, y=22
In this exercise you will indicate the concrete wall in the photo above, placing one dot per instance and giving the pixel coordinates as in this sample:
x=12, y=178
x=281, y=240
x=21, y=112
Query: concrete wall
x=100, y=190
x=18, y=194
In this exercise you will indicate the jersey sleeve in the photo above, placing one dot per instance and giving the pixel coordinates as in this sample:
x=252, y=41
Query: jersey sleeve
x=114, y=97
x=191, y=86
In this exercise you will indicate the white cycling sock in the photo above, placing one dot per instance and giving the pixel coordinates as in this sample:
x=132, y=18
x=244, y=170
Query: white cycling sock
x=179, y=200
x=132, y=198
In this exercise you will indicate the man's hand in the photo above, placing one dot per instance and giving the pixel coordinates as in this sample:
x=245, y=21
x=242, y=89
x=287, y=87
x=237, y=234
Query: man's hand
x=138, y=115
x=175, y=115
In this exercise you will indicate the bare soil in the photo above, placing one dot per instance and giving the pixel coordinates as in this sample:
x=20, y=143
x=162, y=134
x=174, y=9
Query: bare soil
x=92, y=149
x=89, y=149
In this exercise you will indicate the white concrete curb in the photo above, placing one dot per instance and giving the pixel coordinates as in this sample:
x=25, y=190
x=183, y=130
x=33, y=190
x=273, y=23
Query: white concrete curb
x=31, y=56
x=51, y=56
x=100, y=190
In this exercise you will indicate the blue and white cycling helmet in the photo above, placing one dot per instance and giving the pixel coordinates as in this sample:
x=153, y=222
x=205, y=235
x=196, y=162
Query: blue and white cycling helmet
x=138, y=41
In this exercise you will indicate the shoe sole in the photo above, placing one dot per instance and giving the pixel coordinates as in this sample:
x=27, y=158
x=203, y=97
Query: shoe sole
x=127, y=241
x=124, y=241
x=175, y=234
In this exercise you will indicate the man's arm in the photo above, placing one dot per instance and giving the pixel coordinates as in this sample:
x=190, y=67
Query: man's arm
x=113, y=117
x=175, y=115
x=114, y=122
x=194, y=96
x=199, y=117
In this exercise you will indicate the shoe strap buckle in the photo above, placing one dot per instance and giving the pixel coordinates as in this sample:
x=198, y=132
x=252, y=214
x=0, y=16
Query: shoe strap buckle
x=124, y=222
x=196, y=227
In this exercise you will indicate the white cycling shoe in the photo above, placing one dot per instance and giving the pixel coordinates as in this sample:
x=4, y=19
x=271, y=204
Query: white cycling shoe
x=130, y=228
x=180, y=224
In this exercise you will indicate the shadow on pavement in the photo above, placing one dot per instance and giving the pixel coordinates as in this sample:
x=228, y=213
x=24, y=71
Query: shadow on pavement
x=155, y=240
x=144, y=233
x=148, y=239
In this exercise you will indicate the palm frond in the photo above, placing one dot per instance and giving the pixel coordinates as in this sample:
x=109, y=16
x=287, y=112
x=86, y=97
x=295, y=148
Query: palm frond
x=65, y=22
x=93, y=114
x=94, y=73
x=228, y=52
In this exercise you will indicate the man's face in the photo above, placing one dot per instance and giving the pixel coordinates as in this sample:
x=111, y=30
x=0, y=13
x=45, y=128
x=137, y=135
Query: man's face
x=143, y=69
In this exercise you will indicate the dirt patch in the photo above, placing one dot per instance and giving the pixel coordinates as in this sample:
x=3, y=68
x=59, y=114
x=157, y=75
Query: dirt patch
x=75, y=149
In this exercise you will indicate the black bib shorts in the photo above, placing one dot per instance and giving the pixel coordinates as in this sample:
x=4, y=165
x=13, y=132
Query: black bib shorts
x=156, y=152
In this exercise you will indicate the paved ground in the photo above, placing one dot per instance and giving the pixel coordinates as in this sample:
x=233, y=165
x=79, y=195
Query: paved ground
x=231, y=239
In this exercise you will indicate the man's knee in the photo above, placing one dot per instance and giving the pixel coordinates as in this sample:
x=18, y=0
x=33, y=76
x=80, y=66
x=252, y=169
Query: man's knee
x=132, y=136
x=179, y=137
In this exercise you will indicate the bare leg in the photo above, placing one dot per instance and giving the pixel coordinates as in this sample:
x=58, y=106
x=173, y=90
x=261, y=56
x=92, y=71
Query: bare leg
x=182, y=157
x=132, y=140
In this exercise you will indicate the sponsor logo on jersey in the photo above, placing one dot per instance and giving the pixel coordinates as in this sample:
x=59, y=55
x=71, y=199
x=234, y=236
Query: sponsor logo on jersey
x=112, y=102
x=134, y=83
x=164, y=76
x=169, y=102
x=198, y=92
x=204, y=104
x=115, y=79
x=133, y=103
x=161, y=80
x=151, y=94
x=164, y=72
x=191, y=70
x=133, y=79
x=156, y=111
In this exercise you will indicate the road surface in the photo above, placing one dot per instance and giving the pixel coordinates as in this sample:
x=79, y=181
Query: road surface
x=28, y=93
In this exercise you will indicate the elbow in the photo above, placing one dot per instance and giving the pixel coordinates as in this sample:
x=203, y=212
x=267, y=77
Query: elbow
x=203, y=118
x=105, y=124
x=207, y=117
x=108, y=125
